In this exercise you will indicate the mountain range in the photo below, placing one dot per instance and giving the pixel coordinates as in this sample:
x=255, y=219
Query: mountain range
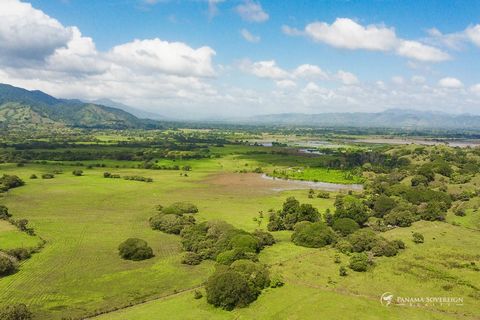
x=21, y=107
x=392, y=118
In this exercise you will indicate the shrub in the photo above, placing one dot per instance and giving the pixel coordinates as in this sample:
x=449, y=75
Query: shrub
x=135, y=249
x=313, y=235
x=33, y=176
x=8, y=264
x=138, y=178
x=342, y=271
x=384, y=248
x=180, y=208
x=419, y=180
x=359, y=262
x=191, y=258
x=10, y=182
x=399, y=244
x=362, y=240
x=20, y=253
x=401, y=218
x=77, y=173
x=344, y=246
x=48, y=176
x=171, y=223
x=107, y=174
x=345, y=226
x=229, y=289
x=418, y=237
x=264, y=238
x=15, y=312
x=323, y=195
x=197, y=295
x=4, y=214
x=276, y=281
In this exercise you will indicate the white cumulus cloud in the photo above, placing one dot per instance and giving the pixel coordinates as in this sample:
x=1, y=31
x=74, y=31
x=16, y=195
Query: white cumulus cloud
x=449, y=82
x=346, y=33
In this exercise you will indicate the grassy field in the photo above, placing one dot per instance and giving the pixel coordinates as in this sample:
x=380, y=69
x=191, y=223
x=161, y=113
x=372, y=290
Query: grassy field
x=314, y=287
x=83, y=219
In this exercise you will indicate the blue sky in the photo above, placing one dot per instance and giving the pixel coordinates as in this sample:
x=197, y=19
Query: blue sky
x=204, y=58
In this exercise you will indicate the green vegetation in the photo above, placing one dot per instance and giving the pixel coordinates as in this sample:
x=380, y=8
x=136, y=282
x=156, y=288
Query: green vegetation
x=204, y=253
x=135, y=249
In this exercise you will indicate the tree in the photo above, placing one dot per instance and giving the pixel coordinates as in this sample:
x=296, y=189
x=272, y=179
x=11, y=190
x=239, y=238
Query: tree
x=401, y=218
x=171, y=223
x=8, y=264
x=345, y=226
x=16, y=312
x=359, y=262
x=362, y=240
x=256, y=274
x=384, y=248
x=383, y=204
x=228, y=289
x=313, y=235
x=77, y=172
x=135, y=249
x=264, y=238
x=353, y=208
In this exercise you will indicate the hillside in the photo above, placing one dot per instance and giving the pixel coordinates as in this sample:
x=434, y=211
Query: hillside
x=20, y=107
x=387, y=119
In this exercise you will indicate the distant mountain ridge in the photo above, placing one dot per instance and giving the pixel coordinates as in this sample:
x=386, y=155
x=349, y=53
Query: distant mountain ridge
x=393, y=118
x=21, y=107
x=141, y=114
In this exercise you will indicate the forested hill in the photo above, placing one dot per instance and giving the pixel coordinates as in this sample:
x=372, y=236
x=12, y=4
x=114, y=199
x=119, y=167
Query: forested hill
x=387, y=119
x=20, y=107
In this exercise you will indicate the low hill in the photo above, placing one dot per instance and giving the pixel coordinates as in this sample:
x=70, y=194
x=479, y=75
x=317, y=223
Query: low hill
x=20, y=107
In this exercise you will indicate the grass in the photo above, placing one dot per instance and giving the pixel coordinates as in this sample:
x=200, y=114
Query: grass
x=11, y=237
x=83, y=219
x=318, y=174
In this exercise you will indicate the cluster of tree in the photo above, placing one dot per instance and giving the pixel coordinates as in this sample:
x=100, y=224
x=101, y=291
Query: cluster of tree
x=16, y=312
x=236, y=285
x=138, y=178
x=174, y=218
x=220, y=241
x=291, y=213
x=8, y=182
x=135, y=249
x=111, y=175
